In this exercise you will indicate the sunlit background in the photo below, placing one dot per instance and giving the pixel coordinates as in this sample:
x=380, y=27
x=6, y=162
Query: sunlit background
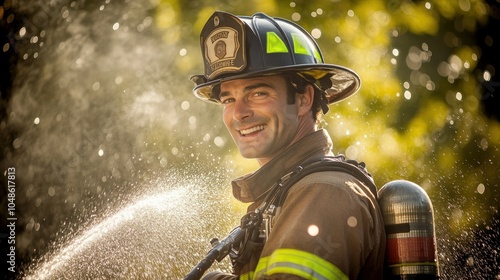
x=122, y=173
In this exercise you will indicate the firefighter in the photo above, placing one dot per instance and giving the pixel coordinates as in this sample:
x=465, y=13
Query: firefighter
x=269, y=77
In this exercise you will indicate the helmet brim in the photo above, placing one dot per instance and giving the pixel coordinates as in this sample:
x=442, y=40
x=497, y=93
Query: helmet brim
x=344, y=81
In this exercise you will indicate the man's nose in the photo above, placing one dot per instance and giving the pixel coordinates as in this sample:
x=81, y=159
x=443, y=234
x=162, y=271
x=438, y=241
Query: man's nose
x=242, y=110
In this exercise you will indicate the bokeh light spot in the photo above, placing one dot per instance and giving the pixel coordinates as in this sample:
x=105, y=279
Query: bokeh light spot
x=313, y=230
x=481, y=188
x=352, y=221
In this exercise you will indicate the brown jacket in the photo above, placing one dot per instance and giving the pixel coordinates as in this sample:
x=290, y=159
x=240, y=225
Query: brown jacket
x=329, y=226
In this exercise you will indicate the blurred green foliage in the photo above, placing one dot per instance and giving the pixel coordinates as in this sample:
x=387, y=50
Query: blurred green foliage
x=418, y=115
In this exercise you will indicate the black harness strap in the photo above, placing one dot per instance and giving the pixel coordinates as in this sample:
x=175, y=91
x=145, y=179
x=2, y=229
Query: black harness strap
x=328, y=163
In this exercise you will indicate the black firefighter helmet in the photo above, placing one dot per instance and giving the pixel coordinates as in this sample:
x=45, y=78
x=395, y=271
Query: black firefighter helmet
x=236, y=47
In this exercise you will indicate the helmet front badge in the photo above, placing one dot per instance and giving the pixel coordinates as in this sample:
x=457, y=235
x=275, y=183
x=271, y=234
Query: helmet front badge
x=223, y=46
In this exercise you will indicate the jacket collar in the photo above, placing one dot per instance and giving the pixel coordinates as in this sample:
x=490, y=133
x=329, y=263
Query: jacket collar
x=251, y=187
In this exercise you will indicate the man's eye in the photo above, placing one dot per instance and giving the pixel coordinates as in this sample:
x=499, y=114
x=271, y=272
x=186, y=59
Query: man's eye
x=260, y=93
x=227, y=100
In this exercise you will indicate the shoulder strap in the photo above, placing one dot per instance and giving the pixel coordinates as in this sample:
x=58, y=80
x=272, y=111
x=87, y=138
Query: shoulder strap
x=319, y=164
x=340, y=163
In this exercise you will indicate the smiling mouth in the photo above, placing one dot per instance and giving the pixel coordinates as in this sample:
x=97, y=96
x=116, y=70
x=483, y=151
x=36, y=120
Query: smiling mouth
x=250, y=130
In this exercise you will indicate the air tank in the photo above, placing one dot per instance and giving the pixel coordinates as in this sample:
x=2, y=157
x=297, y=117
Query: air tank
x=411, y=251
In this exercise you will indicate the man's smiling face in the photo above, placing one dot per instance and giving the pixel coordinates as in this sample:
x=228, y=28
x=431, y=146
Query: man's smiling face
x=258, y=117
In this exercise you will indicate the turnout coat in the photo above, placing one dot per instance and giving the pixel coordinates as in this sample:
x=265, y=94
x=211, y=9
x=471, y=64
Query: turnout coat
x=329, y=226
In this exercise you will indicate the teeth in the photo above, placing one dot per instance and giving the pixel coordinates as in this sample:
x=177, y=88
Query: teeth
x=252, y=129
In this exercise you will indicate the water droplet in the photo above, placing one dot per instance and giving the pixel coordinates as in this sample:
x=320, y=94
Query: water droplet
x=147, y=21
x=481, y=188
x=464, y=5
x=352, y=221
x=219, y=142
x=407, y=94
x=22, y=31
x=313, y=230
x=96, y=86
x=487, y=75
x=65, y=13
x=118, y=80
x=316, y=33
x=17, y=143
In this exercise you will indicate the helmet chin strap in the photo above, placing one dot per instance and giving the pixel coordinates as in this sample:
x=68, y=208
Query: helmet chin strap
x=319, y=93
x=323, y=102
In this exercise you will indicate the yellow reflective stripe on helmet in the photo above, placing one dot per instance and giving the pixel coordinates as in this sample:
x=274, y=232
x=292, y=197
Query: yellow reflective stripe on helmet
x=299, y=263
x=275, y=44
x=317, y=55
x=300, y=45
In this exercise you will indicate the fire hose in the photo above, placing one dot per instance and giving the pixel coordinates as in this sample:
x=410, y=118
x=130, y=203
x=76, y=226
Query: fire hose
x=220, y=249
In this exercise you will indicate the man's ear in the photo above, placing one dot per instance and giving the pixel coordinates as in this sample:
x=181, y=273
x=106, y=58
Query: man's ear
x=305, y=100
